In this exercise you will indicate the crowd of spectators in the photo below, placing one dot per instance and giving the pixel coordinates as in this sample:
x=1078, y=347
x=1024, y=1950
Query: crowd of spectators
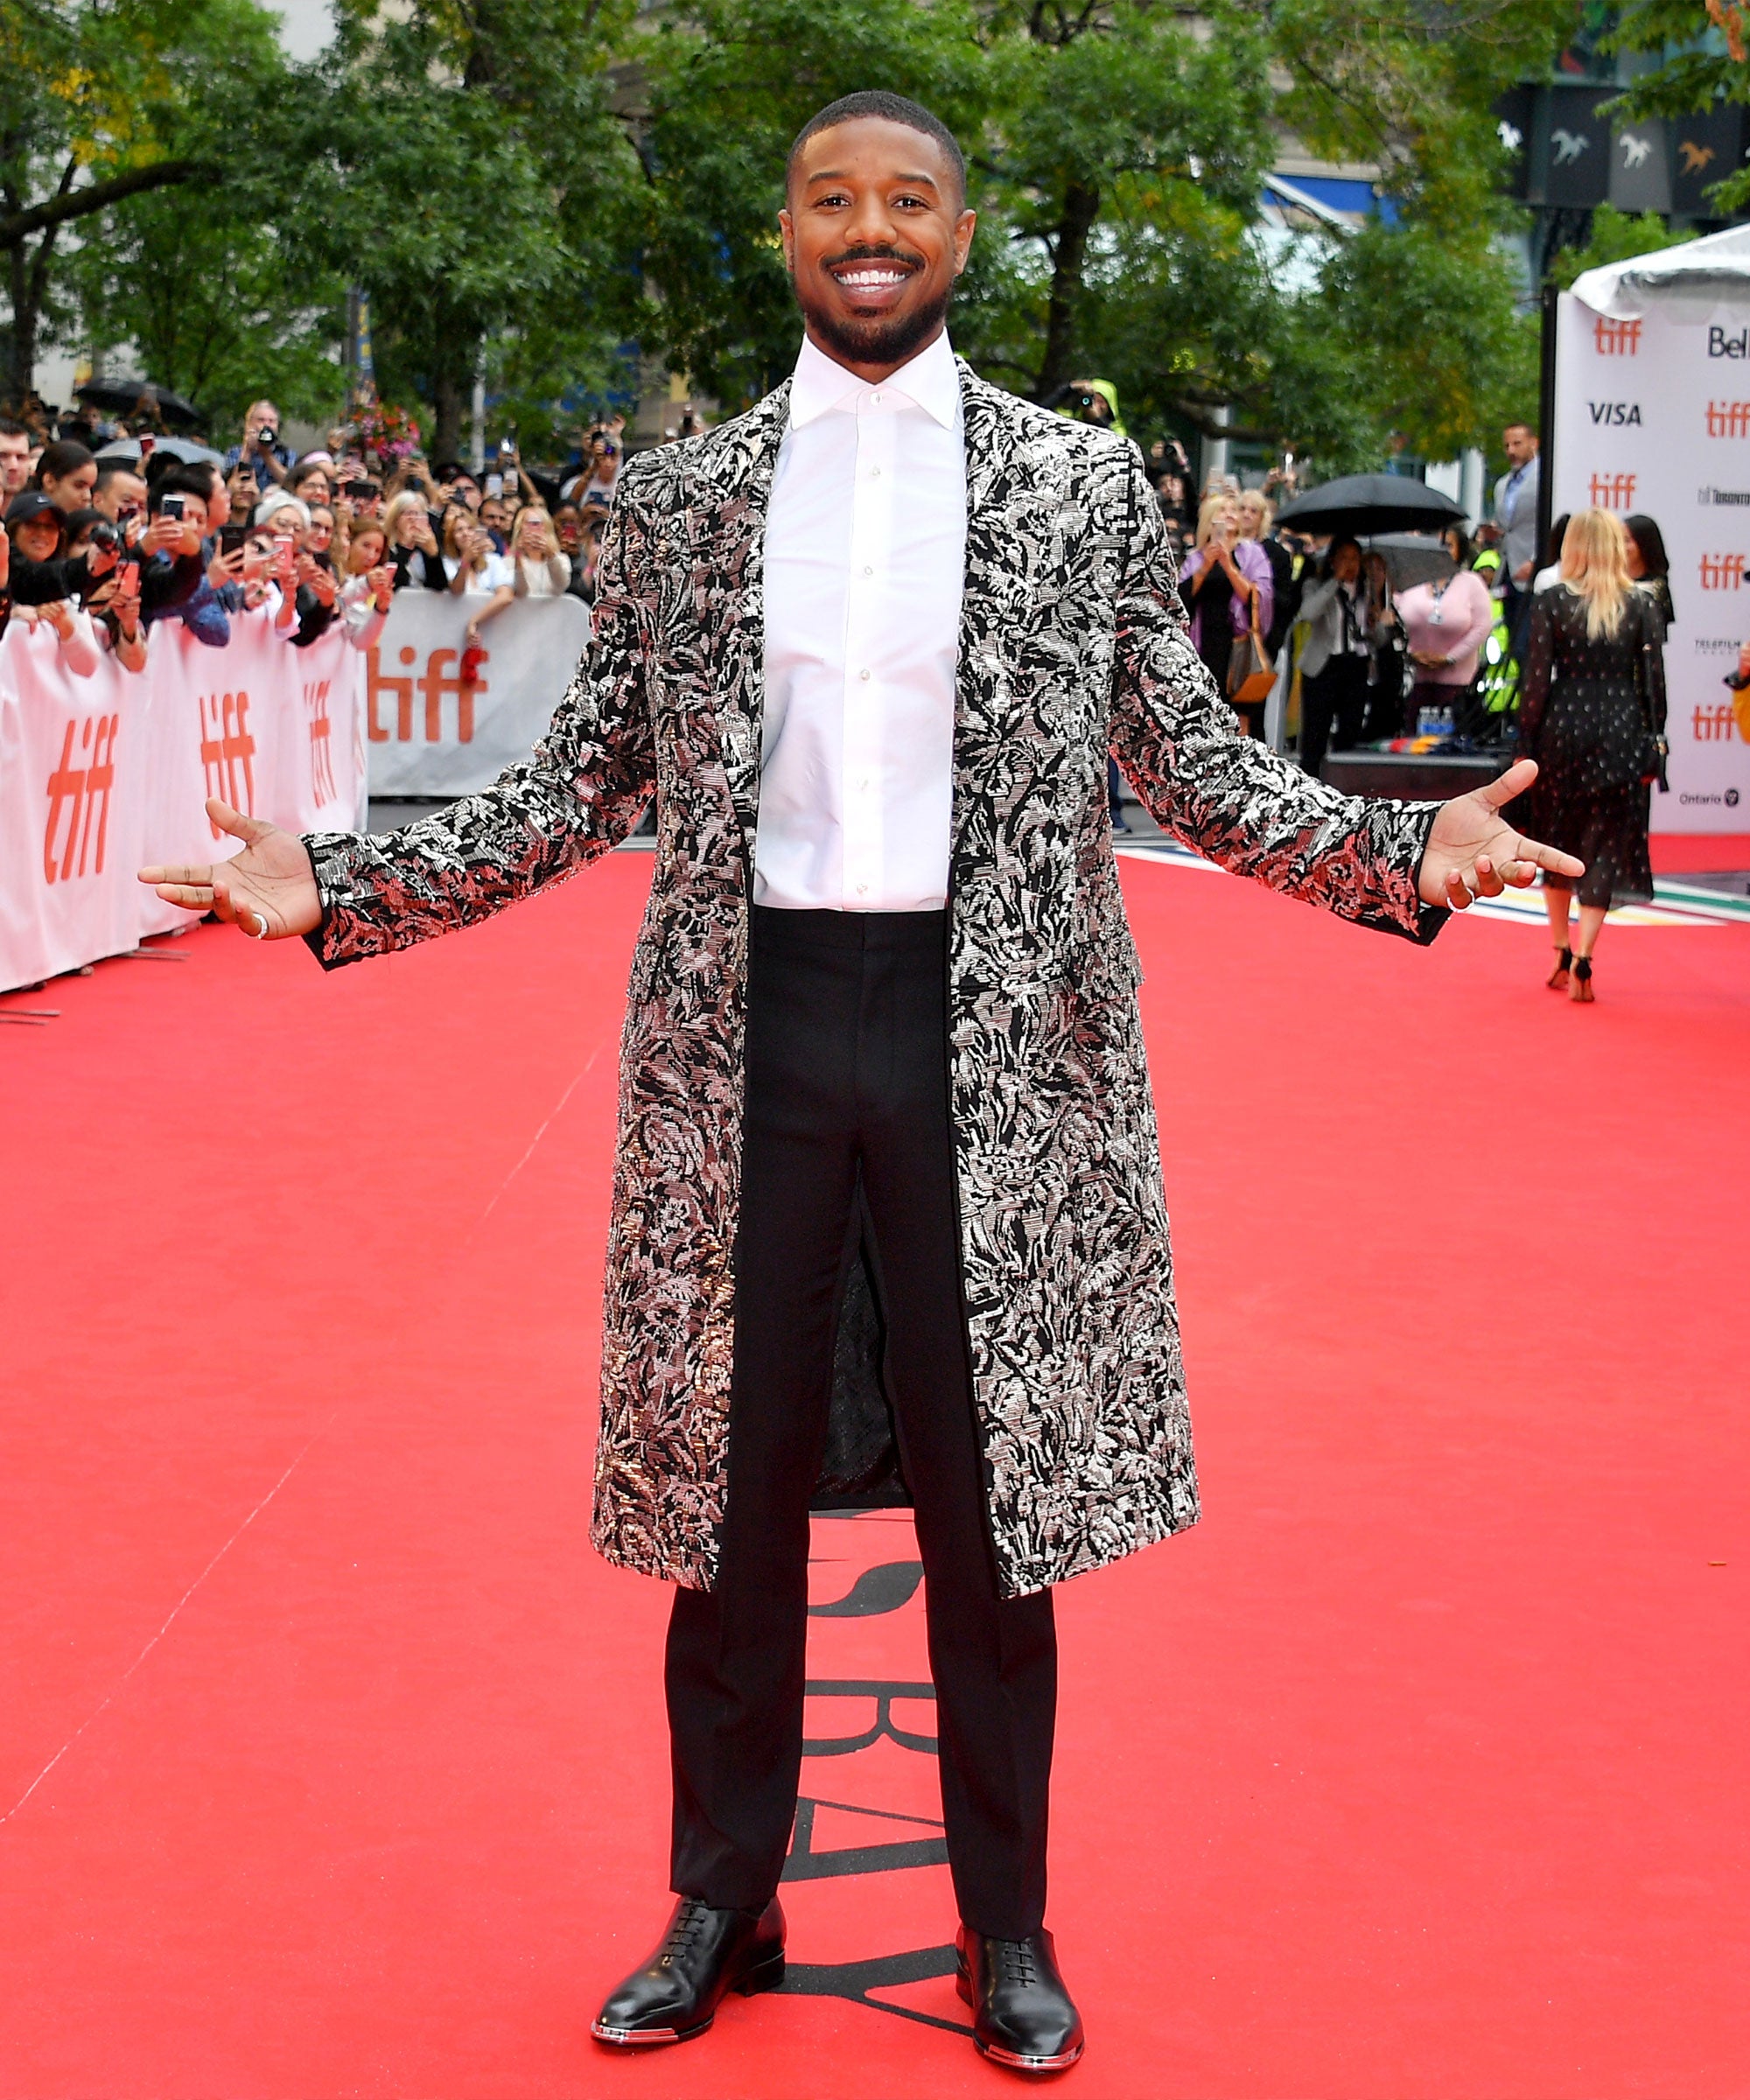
x=101, y=548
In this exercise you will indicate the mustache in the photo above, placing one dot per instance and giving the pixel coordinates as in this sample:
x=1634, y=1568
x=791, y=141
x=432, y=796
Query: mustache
x=911, y=260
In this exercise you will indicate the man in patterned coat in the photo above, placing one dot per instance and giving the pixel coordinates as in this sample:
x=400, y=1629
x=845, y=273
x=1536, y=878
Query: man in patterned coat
x=868, y=645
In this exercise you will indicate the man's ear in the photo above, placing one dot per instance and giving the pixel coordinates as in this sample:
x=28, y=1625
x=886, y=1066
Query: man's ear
x=786, y=230
x=964, y=229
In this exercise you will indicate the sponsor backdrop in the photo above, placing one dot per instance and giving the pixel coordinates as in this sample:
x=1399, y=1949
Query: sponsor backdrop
x=426, y=731
x=100, y=775
x=1653, y=415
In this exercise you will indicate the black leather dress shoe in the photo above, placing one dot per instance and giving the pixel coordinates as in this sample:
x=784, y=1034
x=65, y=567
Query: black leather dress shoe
x=1023, y=2017
x=705, y=1953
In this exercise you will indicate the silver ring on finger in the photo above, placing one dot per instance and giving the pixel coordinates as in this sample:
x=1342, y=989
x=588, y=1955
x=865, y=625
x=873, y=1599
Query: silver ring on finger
x=261, y=932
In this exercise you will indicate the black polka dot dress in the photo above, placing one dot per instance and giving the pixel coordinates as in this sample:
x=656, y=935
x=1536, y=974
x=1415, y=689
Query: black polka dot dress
x=1586, y=711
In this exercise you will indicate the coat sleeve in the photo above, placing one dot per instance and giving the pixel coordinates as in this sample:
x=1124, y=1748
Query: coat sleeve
x=1230, y=796
x=577, y=796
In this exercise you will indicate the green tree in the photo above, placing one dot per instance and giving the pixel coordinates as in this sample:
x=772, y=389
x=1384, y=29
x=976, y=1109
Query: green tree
x=96, y=98
x=465, y=167
x=1117, y=149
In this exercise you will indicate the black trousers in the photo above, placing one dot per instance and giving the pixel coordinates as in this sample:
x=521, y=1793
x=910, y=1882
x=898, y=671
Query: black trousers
x=847, y=1081
x=1336, y=696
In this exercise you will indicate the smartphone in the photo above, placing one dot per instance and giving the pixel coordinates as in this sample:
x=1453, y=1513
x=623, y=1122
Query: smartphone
x=172, y=507
x=129, y=579
x=494, y=485
x=231, y=538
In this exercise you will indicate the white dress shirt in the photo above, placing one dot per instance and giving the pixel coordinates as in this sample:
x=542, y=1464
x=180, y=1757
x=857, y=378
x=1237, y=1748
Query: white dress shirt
x=865, y=542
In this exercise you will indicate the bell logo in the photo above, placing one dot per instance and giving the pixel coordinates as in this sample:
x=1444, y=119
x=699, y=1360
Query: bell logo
x=1728, y=419
x=1616, y=338
x=321, y=741
x=225, y=750
x=1722, y=572
x=1612, y=491
x=83, y=792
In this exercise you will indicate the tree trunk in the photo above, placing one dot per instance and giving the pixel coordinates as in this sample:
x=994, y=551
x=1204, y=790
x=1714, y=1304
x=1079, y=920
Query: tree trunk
x=21, y=374
x=450, y=396
x=1070, y=251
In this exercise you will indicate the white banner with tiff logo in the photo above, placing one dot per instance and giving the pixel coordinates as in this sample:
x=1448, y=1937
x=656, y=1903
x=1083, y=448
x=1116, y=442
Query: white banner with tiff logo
x=1653, y=415
x=101, y=774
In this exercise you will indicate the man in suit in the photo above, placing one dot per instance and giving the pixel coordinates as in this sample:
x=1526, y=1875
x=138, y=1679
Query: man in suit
x=870, y=644
x=1515, y=513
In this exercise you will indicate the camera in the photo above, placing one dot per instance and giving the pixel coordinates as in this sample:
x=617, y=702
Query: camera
x=106, y=535
x=266, y=437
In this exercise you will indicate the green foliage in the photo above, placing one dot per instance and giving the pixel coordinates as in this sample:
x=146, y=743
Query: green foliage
x=464, y=168
x=1615, y=236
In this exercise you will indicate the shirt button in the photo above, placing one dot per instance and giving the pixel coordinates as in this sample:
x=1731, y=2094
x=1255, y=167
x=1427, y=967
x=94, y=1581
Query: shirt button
x=864, y=675
x=874, y=400
x=862, y=889
x=874, y=473
x=868, y=572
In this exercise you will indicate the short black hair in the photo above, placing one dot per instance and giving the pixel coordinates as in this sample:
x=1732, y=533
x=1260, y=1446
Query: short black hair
x=66, y=456
x=894, y=109
x=113, y=470
x=185, y=481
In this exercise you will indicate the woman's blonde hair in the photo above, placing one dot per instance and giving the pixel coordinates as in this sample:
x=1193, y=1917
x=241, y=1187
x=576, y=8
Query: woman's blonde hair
x=522, y=517
x=1207, y=512
x=1595, y=567
x=1265, y=508
x=401, y=507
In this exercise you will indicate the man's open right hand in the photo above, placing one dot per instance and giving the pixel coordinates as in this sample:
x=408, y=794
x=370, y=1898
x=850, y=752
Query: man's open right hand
x=268, y=891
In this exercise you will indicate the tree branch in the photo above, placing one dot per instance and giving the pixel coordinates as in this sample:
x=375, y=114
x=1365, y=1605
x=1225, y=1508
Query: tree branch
x=17, y=227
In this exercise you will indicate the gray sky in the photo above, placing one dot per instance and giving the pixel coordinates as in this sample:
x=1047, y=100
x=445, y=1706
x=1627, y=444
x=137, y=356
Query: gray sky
x=305, y=26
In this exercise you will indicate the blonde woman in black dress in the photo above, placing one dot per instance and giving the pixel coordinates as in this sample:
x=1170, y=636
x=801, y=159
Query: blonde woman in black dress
x=1592, y=713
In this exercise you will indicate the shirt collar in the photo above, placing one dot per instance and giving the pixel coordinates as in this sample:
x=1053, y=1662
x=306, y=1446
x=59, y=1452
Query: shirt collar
x=931, y=380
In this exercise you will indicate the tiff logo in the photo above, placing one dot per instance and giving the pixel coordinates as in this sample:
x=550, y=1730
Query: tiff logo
x=1728, y=419
x=435, y=684
x=83, y=792
x=1722, y=572
x=1715, y=722
x=321, y=742
x=225, y=750
x=1612, y=491
x=1616, y=338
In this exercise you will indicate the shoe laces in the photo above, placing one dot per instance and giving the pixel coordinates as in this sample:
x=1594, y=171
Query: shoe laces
x=688, y=1921
x=1015, y=1961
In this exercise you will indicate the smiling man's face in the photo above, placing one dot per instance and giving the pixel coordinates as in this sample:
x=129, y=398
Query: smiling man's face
x=875, y=233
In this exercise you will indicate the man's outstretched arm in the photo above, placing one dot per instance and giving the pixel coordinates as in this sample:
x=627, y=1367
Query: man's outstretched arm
x=573, y=799
x=1398, y=866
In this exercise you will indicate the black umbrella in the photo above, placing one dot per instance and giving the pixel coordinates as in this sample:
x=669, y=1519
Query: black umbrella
x=139, y=397
x=1369, y=503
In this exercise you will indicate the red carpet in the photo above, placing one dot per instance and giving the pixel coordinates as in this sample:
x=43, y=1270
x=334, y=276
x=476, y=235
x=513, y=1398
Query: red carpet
x=1699, y=853
x=331, y=1761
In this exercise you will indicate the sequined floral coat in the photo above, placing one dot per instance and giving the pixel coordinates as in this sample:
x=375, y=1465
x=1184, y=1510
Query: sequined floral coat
x=1072, y=641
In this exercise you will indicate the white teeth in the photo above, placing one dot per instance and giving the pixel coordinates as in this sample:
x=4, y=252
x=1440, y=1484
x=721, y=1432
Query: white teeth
x=870, y=277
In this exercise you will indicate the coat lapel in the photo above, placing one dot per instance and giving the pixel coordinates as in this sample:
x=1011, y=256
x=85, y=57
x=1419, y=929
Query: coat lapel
x=732, y=490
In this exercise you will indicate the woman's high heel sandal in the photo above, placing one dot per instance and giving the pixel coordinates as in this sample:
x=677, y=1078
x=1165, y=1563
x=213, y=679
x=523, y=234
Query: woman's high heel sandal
x=1558, y=975
x=1579, y=989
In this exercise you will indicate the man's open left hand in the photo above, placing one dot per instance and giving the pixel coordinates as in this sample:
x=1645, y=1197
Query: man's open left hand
x=1473, y=852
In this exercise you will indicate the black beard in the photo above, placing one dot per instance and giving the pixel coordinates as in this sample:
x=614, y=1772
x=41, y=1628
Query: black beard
x=882, y=340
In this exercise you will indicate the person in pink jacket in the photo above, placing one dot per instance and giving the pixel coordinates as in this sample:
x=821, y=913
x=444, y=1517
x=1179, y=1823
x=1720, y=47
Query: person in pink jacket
x=1445, y=625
